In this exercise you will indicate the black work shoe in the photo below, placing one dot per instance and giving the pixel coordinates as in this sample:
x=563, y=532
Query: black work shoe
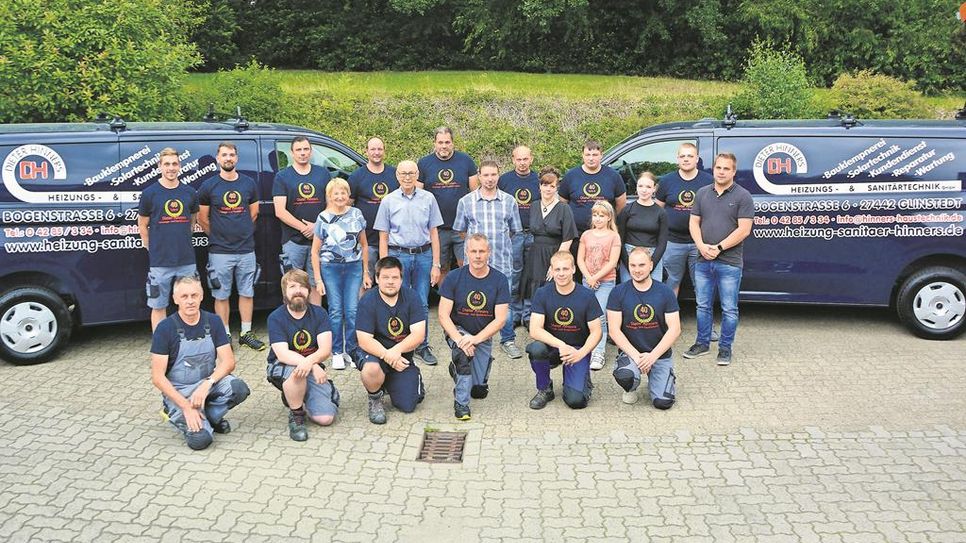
x=377, y=411
x=724, y=356
x=426, y=354
x=222, y=427
x=697, y=350
x=478, y=392
x=249, y=340
x=461, y=411
x=296, y=425
x=542, y=398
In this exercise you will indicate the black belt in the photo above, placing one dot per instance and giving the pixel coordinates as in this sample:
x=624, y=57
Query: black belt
x=412, y=250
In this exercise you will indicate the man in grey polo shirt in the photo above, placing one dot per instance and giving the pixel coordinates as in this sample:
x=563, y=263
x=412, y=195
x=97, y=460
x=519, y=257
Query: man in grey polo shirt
x=407, y=222
x=721, y=219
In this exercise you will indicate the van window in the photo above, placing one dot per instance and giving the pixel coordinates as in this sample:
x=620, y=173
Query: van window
x=659, y=158
x=338, y=163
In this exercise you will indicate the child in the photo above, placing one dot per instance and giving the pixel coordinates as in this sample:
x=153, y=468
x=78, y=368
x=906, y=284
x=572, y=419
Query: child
x=597, y=257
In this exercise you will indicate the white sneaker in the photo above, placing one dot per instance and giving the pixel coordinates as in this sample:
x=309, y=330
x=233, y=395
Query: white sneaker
x=596, y=362
x=629, y=397
x=337, y=362
x=348, y=360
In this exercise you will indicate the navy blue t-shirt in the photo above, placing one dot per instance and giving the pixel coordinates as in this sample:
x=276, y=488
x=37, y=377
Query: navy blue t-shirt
x=305, y=197
x=583, y=190
x=523, y=189
x=169, y=228
x=301, y=335
x=566, y=316
x=389, y=325
x=232, y=229
x=678, y=197
x=166, y=340
x=448, y=180
x=642, y=313
x=474, y=299
x=368, y=189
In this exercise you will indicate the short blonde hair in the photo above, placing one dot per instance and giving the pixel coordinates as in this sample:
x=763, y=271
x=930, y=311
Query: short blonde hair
x=337, y=183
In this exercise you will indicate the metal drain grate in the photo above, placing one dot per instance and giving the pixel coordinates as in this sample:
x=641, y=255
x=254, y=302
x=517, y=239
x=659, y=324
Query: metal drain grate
x=442, y=447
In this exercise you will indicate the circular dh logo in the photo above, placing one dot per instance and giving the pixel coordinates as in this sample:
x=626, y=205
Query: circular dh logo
x=592, y=190
x=232, y=199
x=301, y=340
x=380, y=190
x=523, y=196
x=643, y=313
x=476, y=300
x=173, y=208
x=563, y=316
x=306, y=190
x=445, y=176
x=395, y=326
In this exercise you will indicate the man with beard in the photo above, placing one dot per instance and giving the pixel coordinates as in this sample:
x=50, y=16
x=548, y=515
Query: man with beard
x=474, y=302
x=390, y=325
x=229, y=208
x=298, y=195
x=368, y=185
x=301, y=339
x=191, y=364
x=565, y=327
x=644, y=322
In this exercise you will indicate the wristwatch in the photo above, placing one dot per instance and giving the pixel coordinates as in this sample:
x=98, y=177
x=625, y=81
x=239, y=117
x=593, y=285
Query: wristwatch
x=720, y=248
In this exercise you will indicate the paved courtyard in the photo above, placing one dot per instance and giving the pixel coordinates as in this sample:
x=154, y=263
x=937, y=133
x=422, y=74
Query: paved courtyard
x=832, y=425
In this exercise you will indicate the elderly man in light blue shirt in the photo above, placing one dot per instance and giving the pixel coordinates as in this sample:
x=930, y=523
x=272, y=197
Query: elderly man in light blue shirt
x=495, y=214
x=407, y=223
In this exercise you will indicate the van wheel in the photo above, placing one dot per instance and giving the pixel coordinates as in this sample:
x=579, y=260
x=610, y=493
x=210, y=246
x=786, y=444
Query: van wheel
x=34, y=325
x=932, y=303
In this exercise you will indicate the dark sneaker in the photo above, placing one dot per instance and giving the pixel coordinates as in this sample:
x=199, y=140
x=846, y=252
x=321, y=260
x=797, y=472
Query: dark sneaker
x=724, y=356
x=221, y=427
x=510, y=349
x=697, y=350
x=542, y=398
x=296, y=425
x=377, y=412
x=426, y=354
x=249, y=340
x=461, y=411
x=478, y=392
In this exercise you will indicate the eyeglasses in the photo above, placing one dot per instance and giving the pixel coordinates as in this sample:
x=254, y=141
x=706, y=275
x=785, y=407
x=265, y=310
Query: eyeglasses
x=408, y=174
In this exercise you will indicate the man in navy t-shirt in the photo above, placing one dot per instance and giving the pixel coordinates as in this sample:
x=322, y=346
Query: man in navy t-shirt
x=390, y=324
x=298, y=195
x=167, y=212
x=301, y=339
x=191, y=364
x=643, y=320
x=521, y=183
x=368, y=185
x=565, y=327
x=584, y=185
x=448, y=175
x=474, y=301
x=229, y=208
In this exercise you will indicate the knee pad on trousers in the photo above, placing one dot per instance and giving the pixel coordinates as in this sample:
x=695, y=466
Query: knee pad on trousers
x=478, y=392
x=626, y=378
x=574, y=399
x=538, y=350
x=239, y=391
x=198, y=440
x=662, y=403
x=464, y=366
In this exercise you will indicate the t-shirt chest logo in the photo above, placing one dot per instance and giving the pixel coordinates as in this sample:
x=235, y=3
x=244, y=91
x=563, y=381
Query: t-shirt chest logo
x=173, y=208
x=523, y=196
x=643, y=313
x=476, y=300
x=232, y=199
x=592, y=190
x=446, y=176
x=380, y=190
x=306, y=190
x=301, y=340
x=395, y=326
x=563, y=316
x=686, y=198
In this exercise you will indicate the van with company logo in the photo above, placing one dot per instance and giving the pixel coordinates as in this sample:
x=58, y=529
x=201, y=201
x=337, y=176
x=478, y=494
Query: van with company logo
x=847, y=212
x=70, y=252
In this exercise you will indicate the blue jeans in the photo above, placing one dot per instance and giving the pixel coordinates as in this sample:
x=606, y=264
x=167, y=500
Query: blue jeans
x=519, y=308
x=507, y=333
x=711, y=276
x=416, y=272
x=342, y=281
x=657, y=273
x=676, y=257
x=602, y=293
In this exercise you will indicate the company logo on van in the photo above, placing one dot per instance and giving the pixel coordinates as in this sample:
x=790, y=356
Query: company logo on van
x=778, y=159
x=33, y=162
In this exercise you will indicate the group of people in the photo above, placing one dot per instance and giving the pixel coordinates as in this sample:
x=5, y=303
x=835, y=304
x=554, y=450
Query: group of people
x=377, y=242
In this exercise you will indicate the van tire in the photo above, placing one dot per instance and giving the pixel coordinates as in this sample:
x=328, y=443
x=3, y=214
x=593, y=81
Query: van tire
x=35, y=324
x=932, y=302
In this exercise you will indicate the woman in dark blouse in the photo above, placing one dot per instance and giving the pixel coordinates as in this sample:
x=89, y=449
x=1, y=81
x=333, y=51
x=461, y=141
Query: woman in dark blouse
x=553, y=228
x=643, y=223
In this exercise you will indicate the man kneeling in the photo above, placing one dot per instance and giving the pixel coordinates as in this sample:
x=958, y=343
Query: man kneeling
x=191, y=364
x=644, y=321
x=301, y=339
x=565, y=327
